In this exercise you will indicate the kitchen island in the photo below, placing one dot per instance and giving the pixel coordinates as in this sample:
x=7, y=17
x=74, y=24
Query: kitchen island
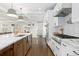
x=15, y=45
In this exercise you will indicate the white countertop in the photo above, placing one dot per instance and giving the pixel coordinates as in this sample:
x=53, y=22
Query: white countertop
x=8, y=39
x=74, y=42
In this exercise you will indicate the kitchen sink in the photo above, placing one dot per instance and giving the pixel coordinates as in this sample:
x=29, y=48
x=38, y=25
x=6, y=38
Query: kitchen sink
x=19, y=35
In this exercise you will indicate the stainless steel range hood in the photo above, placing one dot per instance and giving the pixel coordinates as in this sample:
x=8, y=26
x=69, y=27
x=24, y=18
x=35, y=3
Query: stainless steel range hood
x=64, y=12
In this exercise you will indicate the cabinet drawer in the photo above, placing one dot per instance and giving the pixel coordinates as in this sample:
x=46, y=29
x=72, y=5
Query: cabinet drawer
x=18, y=48
x=8, y=51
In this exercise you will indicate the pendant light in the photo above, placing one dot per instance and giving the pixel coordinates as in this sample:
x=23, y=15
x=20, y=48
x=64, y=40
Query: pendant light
x=20, y=17
x=11, y=12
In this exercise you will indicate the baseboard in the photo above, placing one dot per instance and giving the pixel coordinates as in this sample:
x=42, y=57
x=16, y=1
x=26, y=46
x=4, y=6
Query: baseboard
x=50, y=48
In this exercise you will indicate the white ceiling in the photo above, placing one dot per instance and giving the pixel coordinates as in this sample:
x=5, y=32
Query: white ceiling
x=27, y=7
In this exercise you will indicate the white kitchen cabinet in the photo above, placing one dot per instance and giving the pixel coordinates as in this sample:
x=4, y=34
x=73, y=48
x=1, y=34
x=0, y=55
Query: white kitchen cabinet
x=64, y=49
x=75, y=12
x=72, y=51
x=68, y=49
x=55, y=47
x=50, y=44
x=5, y=27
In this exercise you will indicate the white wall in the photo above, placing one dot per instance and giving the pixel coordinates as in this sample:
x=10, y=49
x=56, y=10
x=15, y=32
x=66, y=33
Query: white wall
x=37, y=18
x=40, y=29
x=61, y=21
x=34, y=30
x=68, y=18
x=37, y=29
x=44, y=29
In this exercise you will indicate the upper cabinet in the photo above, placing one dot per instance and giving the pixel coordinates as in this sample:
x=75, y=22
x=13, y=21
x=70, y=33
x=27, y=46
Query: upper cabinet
x=62, y=9
x=75, y=12
x=5, y=27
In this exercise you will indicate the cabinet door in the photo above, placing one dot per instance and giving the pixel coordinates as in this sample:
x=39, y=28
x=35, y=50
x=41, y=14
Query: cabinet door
x=27, y=44
x=72, y=51
x=24, y=46
x=18, y=48
x=64, y=49
x=8, y=51
x=75, y=12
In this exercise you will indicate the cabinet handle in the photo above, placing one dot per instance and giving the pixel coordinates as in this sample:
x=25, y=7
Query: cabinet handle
x=67, y=54
x=18, y=46
x=75, y=52
x=57, y=47
x=64, y=45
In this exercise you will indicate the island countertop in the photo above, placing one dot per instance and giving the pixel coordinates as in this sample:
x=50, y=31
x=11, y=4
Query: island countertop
x=8, y=39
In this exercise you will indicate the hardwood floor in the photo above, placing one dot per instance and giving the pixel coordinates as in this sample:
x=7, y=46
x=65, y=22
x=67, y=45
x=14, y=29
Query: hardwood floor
x=39, y=48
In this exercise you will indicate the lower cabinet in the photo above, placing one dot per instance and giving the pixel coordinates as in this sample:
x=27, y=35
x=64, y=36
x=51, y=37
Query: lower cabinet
x=8, y=51
x=68, y=50
x=25, y=44
x=15, y=49
x=63, y=49
x=19, y=48
x=72, y=51
x=56, y=48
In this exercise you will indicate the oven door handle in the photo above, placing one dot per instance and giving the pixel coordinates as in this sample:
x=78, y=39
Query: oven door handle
x=75, y=52
x=57, y=47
